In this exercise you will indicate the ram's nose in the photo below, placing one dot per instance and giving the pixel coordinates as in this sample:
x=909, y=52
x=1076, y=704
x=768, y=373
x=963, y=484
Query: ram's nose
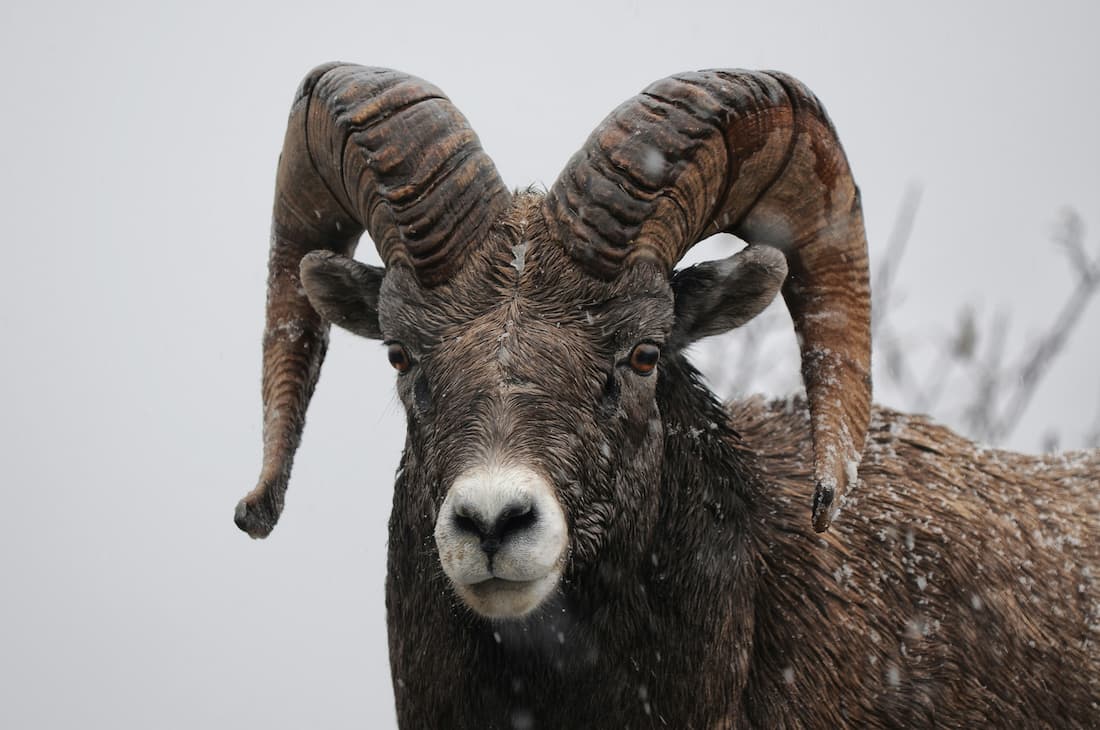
x=502, y=537
x=493, y=524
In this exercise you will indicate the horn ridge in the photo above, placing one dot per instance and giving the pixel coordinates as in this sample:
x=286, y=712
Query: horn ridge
x=754, y=154
x=366, y=149
x=408, y=160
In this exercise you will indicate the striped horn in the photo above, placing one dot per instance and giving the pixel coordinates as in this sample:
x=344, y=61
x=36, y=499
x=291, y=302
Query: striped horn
x=753, y=154
x=366, y=149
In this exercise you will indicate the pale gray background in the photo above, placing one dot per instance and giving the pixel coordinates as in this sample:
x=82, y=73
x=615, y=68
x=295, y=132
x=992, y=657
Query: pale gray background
x=139, y=148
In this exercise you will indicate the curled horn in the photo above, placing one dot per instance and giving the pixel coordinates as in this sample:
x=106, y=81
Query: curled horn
x=372, y=150
x=753, y=154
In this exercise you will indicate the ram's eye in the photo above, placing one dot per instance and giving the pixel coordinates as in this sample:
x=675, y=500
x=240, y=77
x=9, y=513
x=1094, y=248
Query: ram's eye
x=398, y=357
x=644, y=357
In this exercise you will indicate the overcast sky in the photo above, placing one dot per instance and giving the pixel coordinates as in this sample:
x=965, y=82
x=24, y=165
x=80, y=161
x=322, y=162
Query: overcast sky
x=140, y=142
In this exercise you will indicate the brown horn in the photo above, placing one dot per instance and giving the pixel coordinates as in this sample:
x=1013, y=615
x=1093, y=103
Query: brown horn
x=753, y=154
x=366, y=149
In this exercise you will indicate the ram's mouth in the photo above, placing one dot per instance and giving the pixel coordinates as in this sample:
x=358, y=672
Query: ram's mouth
x=499, y=598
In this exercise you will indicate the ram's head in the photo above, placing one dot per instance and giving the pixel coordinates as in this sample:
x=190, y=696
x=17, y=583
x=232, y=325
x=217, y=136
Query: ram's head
x=532, y=335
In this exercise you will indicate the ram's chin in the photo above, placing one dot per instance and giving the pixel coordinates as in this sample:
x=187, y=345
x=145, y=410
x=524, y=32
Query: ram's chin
x=501, y=599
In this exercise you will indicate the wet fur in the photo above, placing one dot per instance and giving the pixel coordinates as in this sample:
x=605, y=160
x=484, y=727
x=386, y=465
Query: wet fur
x=954, y=589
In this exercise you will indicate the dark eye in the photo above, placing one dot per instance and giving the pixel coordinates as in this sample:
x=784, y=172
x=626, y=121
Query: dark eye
x=644, y=357
x=398, y=357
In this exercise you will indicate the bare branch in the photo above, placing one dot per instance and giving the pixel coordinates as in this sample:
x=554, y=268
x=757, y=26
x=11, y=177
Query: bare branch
x=1070, y=235
x=1092, y=440
x=1046, y=348
x=967, y=366
x=979, y=413
x=882, y=281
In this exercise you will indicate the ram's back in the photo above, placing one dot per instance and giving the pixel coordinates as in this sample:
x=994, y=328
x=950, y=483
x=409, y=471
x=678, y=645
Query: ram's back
x=960, y=585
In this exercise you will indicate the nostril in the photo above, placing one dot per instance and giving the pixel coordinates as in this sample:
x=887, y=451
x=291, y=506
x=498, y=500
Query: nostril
x=465, y=523
x=514, y=518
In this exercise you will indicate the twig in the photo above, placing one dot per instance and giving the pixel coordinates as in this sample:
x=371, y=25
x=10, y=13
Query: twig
x=882, y=280
x=1046, y=349
x=998, y=394
x=1092, y=440
x=960, y=351
x=979, y=413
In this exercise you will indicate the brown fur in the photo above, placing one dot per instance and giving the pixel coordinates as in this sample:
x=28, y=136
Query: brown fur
x=957, y=588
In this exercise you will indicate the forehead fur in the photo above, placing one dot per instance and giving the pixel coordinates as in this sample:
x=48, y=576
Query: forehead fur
x=521, y=272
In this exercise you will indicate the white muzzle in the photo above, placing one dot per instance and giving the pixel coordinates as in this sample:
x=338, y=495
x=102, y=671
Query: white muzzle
x=502, y=539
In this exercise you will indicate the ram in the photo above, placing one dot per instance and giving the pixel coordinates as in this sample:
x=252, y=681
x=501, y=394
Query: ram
x=581, y=535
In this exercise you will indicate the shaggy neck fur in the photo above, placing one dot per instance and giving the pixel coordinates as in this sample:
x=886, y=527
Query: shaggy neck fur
x=959, y=588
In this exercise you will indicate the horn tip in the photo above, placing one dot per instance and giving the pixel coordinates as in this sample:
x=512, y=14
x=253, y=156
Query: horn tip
x=254, y=519
x=822, y=506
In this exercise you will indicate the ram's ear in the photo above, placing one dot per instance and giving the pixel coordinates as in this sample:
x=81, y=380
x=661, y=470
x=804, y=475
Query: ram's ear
x=719, y=296
x=343, y=291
